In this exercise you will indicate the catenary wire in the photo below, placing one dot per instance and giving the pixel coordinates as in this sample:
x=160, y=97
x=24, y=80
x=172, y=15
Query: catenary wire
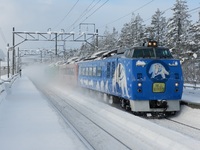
x=130, y=13
x=93, y=12
x=161, y=11
x=67, y=14
x=88, y=9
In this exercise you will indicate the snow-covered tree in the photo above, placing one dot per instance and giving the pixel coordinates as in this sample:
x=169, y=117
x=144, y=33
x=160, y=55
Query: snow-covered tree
x=158, y=27
x=194, y=36
x=137, y=30
x=110, y=39
x=132, y=33
x=177, y=33
x=178, y=25
x=125, y=38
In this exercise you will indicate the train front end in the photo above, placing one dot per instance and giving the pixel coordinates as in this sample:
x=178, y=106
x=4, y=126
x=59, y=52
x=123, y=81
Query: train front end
x=156, y=83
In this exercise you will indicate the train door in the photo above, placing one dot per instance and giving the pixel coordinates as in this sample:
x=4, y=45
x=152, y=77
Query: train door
x=115, y=77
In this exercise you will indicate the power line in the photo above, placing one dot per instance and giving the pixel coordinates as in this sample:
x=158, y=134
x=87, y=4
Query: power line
x=161, y=11
x=172, y=7
x=67, y=14
x=194, y=9
x=84, y=12
x=95, y=10
x=130, y=12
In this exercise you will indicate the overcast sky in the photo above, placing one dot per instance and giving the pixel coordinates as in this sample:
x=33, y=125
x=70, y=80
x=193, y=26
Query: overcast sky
x=40, y=15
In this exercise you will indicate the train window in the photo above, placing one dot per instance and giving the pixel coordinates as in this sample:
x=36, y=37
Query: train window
x=113, y=68
x=86, y=71
x=99, y=71
x=90, y=71
x=108, y=70
x=83, y=71
x=94, y=71
x=163, y=53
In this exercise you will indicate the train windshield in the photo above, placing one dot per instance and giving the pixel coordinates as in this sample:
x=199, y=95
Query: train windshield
x=151, y=53
x=163, y=53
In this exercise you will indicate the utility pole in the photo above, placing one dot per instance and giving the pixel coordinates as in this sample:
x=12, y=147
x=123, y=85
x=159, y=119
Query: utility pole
x=97, y=42
x=13, y=59
x=18, y=61
x=56, y=44
x=8, y=61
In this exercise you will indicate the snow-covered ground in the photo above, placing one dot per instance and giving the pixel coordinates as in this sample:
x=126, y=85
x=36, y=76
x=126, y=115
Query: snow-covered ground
x=191, y=95
x=28, y=122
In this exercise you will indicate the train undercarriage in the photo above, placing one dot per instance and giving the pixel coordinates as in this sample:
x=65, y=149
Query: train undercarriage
x=151, y=109
x=147, y=109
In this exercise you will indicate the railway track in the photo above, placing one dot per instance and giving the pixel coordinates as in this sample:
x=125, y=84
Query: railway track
x=63, y=104
x=183, y=124
x=82, y=138
x=91, y=121
x=105, y=128
x=179, y=126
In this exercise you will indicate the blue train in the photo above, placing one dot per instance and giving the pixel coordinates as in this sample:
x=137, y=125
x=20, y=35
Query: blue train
x=146, y=79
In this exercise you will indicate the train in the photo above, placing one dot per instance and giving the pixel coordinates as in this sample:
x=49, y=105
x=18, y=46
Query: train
x=145, y=80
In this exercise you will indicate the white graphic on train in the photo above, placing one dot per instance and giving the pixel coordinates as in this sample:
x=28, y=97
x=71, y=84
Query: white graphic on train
x=157, y=69
x=119, y=78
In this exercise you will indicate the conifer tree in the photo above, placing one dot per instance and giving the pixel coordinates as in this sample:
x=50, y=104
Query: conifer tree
x=158, y=27
x=178, y=25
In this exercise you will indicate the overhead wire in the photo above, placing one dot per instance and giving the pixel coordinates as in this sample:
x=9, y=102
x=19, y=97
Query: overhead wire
x=172, y=7
x=194, y=9
x=161, y=11
x=88, y=9
x=130, y=13
x=93, y=12
x=67, y=14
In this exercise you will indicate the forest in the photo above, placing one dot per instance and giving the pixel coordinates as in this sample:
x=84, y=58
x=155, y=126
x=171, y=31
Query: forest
x=180, y=34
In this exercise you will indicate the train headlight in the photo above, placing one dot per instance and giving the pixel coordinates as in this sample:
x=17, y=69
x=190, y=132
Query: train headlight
x=139, y=84
x=149, y=44
x=152, y=44
x=176, y=84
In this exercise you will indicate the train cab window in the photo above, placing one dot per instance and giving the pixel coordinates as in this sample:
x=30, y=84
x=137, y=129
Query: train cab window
x=129, y=53
x=148, y=53
x=163, y=53
x=137, y=53
x=143, y=53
